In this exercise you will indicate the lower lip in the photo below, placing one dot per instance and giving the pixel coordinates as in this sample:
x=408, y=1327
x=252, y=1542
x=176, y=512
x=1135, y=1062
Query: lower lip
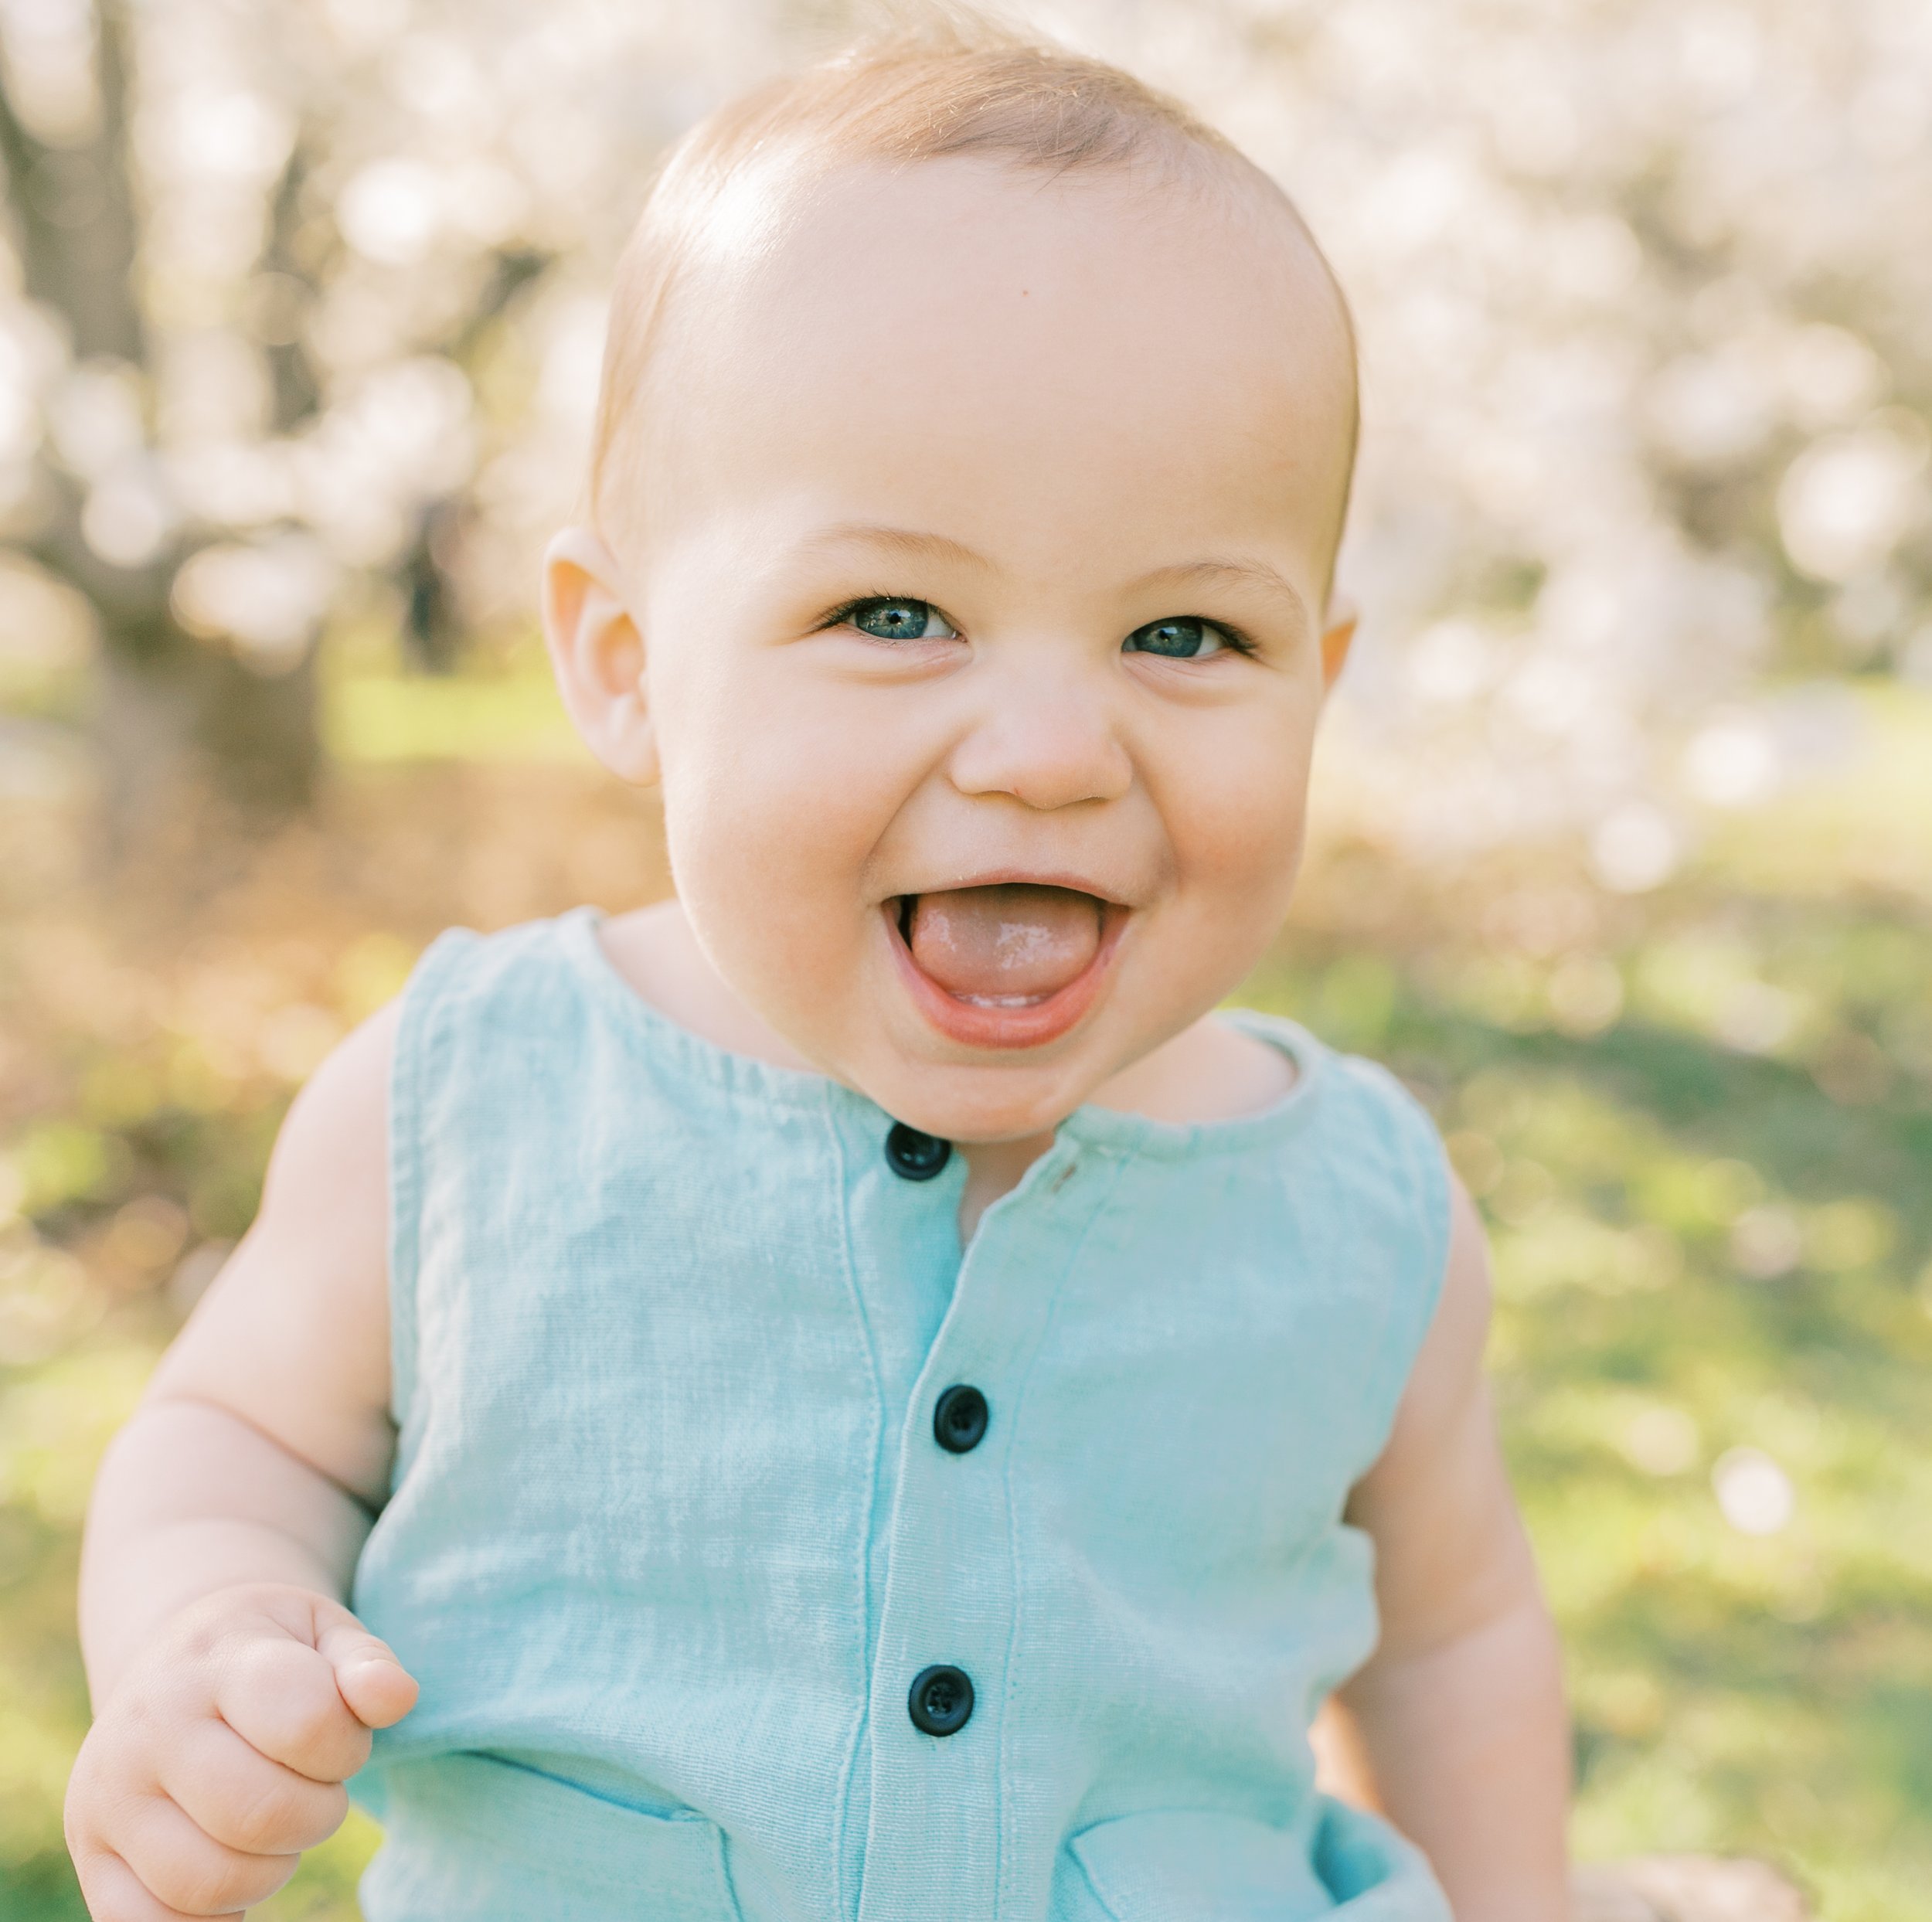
x=1026, y=1025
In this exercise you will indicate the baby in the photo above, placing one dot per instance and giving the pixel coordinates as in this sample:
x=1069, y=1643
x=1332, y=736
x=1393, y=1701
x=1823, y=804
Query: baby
x=855, y=1395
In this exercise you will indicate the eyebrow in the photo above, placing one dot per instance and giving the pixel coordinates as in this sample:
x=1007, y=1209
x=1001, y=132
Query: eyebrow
x=1217, y=570
x=910, y=542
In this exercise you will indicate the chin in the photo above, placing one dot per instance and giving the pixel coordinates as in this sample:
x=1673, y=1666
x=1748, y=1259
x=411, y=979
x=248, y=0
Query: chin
x=1000, y=1102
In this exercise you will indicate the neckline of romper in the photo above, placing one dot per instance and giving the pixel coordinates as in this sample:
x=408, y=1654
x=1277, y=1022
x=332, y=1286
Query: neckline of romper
x=746, y=1077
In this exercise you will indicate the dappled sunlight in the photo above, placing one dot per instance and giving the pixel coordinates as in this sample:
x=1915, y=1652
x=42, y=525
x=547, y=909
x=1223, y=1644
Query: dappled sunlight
x=1623, y=811
x=1713, y=1246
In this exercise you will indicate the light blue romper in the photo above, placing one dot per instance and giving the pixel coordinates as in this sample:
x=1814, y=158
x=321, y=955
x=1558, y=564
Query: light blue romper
x=679, y=1527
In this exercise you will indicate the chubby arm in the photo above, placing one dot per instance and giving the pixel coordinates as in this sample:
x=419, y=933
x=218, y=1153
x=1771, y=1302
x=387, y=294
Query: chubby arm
x=1456, y=1726
x=233, y=1693
x=262, y=1446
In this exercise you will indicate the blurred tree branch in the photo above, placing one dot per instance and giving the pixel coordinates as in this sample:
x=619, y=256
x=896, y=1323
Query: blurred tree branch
x=181, y=716
x=431, y=616
x=175, y=714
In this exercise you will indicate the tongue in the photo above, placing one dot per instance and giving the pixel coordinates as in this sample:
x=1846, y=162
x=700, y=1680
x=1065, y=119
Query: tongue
x=1014, y=942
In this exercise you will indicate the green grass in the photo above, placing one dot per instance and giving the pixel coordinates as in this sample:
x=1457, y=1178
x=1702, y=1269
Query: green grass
x=1766, y=1695
x=1700, y=1127
x=372, y=713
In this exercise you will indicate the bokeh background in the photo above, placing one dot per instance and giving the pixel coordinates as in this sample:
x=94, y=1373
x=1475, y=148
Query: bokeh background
x=1624, y=818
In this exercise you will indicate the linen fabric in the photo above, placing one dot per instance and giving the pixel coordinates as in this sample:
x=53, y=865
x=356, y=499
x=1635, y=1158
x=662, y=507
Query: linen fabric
x=670, y=1533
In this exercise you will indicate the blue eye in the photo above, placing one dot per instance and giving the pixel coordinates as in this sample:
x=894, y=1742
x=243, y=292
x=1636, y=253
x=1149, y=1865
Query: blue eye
x=1184, y=637
x=900, y=621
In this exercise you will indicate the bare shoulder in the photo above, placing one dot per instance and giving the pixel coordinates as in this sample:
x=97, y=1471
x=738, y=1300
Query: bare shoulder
x=293, y=1335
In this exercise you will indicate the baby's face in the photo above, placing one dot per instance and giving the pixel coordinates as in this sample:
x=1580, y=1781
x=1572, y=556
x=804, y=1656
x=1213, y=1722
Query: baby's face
x=977, y=555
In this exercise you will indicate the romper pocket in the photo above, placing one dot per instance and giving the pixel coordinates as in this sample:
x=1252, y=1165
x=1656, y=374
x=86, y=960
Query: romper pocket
x=471, y=1837
x=1186, y=1865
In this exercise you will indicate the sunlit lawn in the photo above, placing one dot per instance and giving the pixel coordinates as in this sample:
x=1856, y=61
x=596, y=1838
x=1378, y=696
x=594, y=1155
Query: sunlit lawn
x=1701, y=1127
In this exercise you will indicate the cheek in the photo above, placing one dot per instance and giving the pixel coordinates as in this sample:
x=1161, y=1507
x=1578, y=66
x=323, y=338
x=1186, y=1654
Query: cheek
x=774, y=793
x=1236, y=822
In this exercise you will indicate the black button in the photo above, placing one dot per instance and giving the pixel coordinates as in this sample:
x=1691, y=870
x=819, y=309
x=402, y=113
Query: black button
x=941, y=1702
x=915, y=1156
x=959, y=1419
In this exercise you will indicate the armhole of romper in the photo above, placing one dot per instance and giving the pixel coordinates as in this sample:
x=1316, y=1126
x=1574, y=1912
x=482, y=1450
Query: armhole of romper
x=421, y=1031
x=1415, y=1145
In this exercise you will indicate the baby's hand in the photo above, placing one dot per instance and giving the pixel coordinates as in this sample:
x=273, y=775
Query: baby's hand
x=221, y=1753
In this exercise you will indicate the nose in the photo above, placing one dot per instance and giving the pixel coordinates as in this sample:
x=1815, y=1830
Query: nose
x=1050, y=746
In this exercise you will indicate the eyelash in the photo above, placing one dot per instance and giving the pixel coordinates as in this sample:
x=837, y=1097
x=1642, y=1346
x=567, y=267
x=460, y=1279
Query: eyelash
x=1237, y=641
x=846, y=609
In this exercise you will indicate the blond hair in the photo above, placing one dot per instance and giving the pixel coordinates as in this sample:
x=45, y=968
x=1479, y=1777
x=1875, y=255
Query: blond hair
x=955, y=88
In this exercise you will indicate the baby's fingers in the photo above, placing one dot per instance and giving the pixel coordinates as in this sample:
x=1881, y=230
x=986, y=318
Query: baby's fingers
x=280, y=1696
x=190, y=1871
x=235, y=1793
x=374, y=1684
x=114, y=1893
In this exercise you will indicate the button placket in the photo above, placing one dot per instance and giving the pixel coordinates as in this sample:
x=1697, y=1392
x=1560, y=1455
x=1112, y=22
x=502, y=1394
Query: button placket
x=935, y=1811
x=902, y=1246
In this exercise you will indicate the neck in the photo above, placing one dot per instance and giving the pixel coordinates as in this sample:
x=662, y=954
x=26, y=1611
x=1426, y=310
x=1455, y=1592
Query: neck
x=993, y=1168
x=1208, y=1072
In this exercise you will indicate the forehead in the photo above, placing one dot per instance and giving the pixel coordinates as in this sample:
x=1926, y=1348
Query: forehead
x=959, y=341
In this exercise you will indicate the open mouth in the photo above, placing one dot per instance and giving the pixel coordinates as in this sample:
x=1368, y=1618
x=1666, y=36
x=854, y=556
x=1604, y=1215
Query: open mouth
x=1006, y=964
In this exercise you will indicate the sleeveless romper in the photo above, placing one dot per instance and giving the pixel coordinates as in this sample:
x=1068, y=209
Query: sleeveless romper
x=720, y=1616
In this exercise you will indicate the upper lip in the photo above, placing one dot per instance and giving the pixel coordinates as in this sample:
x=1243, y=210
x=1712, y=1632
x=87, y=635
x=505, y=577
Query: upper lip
x=1110, y=893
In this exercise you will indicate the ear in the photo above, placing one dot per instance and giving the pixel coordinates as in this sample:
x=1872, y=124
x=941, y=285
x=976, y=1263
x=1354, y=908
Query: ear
x=1336, y=638
x=596, y=652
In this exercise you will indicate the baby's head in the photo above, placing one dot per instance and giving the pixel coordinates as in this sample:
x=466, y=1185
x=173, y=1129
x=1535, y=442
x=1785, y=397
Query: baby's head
x=975, y=443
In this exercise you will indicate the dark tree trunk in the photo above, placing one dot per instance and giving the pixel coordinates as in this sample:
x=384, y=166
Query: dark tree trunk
x=181, y=723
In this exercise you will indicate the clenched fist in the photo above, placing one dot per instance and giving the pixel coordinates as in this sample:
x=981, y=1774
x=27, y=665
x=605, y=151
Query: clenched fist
x=220, y=1754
